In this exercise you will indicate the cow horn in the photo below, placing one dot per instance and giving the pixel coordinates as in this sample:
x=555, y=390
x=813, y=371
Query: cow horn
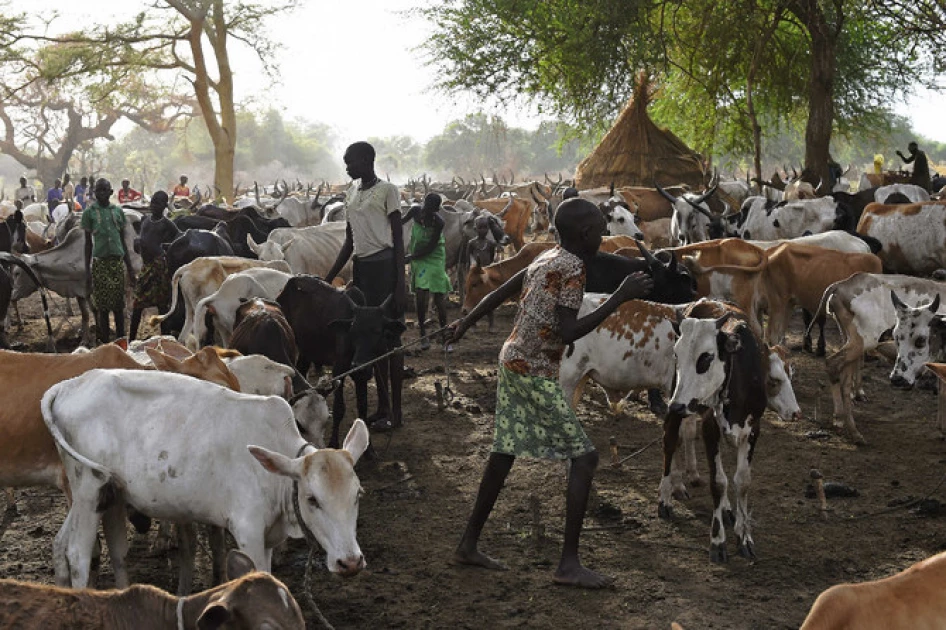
x=646, y=254
x=672, y=265
x=387, y=303
x=665, y=194
x=820, y=182
x=611, y=191
x=708, y=193
x=896, y=300
x=722, y=320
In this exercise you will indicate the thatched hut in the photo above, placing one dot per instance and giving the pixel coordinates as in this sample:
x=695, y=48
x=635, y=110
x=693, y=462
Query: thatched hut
x=635, y=152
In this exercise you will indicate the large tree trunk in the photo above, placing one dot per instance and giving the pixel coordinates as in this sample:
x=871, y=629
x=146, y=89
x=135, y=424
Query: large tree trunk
x=820, y=97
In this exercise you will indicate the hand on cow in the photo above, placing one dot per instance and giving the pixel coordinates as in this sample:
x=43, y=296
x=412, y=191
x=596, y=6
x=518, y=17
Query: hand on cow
x=637, y=285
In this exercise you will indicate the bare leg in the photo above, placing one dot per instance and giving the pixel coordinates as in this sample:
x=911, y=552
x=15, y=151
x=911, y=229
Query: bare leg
x=135, y=322
x=422, y=295
x=570, y=570
x=101, y=324
x=119, y=323
x=467, y=552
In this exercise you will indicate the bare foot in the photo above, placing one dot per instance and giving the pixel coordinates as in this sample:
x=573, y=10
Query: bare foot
x=478, y=559
x=581, y=577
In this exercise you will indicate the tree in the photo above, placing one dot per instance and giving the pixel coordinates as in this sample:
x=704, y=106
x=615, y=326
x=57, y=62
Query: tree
x=44, y=125
x=579, y=60
x=190, y=39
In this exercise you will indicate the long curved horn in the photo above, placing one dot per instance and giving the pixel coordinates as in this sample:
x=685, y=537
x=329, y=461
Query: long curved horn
x=820, y=183
x=722, y=320
x=646, y=254
x=707, y=194
x=699, y=208
x=665, y=194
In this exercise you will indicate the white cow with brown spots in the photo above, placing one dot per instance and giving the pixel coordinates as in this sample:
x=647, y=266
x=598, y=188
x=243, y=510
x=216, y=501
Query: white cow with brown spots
x=912, y=235
x=862, y=307
x=247, y=601
x=183, y=450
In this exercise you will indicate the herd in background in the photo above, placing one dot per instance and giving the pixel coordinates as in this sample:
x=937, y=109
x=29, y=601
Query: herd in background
x=731, y=264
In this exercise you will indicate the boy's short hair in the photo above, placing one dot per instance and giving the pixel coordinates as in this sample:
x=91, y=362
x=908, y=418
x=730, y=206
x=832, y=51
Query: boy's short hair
x=572, y=214
x=432, y=201
x=481, y=221
x=361, y=148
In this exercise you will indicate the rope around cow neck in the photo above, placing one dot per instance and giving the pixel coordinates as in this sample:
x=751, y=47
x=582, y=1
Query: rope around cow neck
x=313, y=548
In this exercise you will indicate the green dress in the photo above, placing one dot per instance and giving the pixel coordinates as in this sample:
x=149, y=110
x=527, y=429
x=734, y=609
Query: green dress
x=429, y=272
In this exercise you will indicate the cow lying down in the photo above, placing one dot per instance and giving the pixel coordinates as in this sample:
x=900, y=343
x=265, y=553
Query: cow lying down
x=183, y=450
x=249, y=600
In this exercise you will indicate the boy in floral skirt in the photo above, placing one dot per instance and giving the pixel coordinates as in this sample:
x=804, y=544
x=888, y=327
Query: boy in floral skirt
x=533, y=419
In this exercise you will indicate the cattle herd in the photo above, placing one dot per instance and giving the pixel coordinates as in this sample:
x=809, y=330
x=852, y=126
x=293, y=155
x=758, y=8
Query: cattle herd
x=224, y=398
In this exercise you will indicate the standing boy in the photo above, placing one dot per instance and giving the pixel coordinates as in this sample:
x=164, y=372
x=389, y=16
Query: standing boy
x=105, y=252
x=154, y=282
x=480, y=252
x=533, y=419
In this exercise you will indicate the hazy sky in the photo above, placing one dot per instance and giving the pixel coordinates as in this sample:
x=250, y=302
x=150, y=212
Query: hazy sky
x=351, y=64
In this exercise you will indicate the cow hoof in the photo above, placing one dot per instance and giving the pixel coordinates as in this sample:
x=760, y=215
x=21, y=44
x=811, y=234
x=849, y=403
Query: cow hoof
x=861, y=397
x=806, y=345
x=659, y=410
x=729, y=518
x=695, y=481
x=680, y=493
x=718, y=553
x=858, y=438
x=664, y=511
x=821, y=351
x=746, y=551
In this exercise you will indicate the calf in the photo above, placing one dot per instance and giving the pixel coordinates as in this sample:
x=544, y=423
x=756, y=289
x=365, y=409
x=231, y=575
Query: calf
x=161, y=464
x=249, y=600
x=912, y=598
x=261, y=328
x=334, y=327
x=862, y=307
x=720, y=373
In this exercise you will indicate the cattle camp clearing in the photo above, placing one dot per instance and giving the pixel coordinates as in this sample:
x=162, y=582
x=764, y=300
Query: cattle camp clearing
x=472, y=314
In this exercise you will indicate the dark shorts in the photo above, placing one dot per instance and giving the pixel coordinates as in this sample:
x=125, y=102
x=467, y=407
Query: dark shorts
x=376, y=276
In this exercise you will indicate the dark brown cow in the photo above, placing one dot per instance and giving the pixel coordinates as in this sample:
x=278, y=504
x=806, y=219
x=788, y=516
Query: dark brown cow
x=261, y=328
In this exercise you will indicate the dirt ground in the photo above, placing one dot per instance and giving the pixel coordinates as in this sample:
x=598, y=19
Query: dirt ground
x=420, y=490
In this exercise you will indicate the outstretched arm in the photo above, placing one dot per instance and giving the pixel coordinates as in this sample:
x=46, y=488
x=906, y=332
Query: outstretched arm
x=510, y=288
x=572, y=327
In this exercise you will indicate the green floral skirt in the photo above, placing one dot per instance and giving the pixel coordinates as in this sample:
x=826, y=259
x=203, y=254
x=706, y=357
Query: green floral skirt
x=108, y=284
x=533, y=419
x=154, y=285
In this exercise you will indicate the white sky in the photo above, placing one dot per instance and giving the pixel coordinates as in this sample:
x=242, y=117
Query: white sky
x=350, y=64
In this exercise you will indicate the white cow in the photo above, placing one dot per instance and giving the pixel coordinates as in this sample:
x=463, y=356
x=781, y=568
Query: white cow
x=621, y=221
x=838, y=240
x=916, y=194
x=761, y=219
x=913, y=334
x=258, y=282
x=176, y=448
x=310, y=250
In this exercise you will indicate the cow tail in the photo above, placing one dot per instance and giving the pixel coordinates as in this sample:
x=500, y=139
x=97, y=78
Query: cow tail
x=110, y=490
x=22, y=264
x=822, y=306
x=154, y=320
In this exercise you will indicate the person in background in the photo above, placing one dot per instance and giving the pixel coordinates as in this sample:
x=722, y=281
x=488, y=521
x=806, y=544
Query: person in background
x=68, y=192
x=921, y=166
x=154, y=282
x=54, y=197
x=24, y=194
x=480, y=252
x=82, y=192
x=127, y=194
x=428, y=259
x=105, y=252
x=533, y=418
x=182, y=189
x=373, y=234
x=878, y=163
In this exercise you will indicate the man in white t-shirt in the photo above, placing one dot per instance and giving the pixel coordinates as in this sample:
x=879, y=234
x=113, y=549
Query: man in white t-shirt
x=24, y=194
x=374, y=236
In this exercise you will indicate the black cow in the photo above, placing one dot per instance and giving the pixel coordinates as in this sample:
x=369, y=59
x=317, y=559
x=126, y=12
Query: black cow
x=853, y=208
x=190, y=246
x=673, y=284
x=261, y=328
x=239, y=225
x=334, y=327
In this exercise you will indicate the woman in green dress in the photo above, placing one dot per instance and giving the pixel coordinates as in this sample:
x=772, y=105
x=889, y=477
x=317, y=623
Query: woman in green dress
x=428, y=261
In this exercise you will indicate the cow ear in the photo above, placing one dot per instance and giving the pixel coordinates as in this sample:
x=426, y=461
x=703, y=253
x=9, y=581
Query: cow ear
x=238, y=565
x=123, y=343
x=275, y=463
x=163, y=362
x=286, y=245
x=252, y=244
x=214, y=616
x=732, y=343
x=340, y=325
x=357, y=440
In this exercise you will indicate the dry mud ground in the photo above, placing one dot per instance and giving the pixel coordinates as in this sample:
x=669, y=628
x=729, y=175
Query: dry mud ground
x=420, y=490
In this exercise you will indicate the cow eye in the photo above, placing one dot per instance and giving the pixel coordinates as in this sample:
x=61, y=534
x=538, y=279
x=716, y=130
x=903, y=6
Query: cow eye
x=704, y=362
x=313, y=502
x=920, y=342
x=621, y=220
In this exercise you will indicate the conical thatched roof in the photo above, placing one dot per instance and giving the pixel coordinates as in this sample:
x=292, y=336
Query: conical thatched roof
x=635, y=152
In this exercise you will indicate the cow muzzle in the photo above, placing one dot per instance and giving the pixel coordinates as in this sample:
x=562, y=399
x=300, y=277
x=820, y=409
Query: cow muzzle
x=348, y=567
x=898, y=381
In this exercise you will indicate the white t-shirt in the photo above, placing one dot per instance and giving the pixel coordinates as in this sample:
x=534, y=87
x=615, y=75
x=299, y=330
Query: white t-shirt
x=24, y=193
x=368, y=214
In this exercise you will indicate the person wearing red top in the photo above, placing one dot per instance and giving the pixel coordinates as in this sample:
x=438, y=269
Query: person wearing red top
x=182, y=189
x=127, y=193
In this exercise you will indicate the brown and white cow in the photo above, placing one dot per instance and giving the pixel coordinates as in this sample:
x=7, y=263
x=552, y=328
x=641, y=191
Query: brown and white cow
x=248, y=600
x=910, y=599
x=913, y=235
x=516, y=213
x=862, y=307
